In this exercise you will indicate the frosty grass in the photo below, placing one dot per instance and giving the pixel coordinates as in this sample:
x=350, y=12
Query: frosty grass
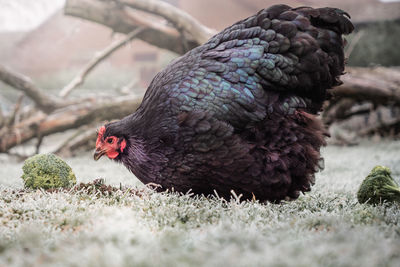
x=326, y=227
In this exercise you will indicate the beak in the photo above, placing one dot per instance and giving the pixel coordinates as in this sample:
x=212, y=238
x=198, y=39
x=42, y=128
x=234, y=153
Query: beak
x=99, y=153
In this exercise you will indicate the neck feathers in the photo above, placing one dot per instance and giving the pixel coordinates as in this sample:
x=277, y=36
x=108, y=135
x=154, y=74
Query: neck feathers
x=141, y=161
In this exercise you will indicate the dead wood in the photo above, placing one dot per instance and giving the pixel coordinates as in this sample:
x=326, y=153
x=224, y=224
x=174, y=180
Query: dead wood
x=180, y=19
x=378, y=85
x=367, y=104
x=17, y=108
x=22, y=83
x=372, y=86
x=67, y=118
x=120, y=19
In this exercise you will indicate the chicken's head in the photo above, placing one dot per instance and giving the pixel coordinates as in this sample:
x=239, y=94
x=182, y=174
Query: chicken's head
x=111, y=146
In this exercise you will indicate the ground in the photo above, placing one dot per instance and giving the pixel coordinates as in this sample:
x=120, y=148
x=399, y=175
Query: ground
x=326, y=227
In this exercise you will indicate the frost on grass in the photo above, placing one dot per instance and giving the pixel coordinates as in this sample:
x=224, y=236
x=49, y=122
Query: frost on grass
x=327, y=227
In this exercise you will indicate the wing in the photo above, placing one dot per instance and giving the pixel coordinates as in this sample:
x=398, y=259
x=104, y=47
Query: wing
x=279, y=59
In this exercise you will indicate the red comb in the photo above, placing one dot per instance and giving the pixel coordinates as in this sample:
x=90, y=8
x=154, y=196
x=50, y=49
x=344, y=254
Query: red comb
x=100, y=135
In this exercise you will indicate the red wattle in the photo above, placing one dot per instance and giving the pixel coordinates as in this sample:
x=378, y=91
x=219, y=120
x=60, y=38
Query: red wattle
x=112, y=154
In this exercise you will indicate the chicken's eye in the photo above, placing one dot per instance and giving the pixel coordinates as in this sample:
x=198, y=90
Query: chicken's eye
x=110, y=140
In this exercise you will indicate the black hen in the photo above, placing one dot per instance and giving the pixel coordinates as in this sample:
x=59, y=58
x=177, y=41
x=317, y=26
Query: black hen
x=237, y=113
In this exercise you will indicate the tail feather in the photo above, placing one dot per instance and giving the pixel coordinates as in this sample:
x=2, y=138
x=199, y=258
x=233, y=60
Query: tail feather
x=333, y=19
x=315, y=37
x=293, y=51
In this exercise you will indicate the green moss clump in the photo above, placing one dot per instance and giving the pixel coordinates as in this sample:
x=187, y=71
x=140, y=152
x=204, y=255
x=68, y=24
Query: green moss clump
x=47, y=171
x=379, y=186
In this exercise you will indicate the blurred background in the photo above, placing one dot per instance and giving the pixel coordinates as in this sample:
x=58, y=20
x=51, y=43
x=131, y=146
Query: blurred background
x=40, y=41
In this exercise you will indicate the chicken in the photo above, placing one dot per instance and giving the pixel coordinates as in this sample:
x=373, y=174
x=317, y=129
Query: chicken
x=238, y=112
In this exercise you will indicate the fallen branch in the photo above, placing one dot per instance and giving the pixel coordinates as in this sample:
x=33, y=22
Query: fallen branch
x=337, y=110
x=142, y=19
x=122, y=19
x=391, y=128
x=180, y=19
x=67, y=118
x=368, y=103
x=79, y=79
x=17, y=108
x=42, y=100
x=375, y=85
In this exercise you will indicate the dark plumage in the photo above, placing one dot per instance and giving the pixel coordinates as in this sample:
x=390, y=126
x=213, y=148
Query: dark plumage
x=237, y=113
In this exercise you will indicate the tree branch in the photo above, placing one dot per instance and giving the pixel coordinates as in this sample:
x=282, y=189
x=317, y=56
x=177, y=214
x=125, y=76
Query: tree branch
x=79, y=79
x=67, y=118
x=179, y=18
x=387, y=127
x=17, y=108
x=120, y=19
x=42, y=100
x=378, y=85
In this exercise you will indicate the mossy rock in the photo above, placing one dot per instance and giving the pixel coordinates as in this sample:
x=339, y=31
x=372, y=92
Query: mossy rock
x=47, y=171
x=379, y=187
